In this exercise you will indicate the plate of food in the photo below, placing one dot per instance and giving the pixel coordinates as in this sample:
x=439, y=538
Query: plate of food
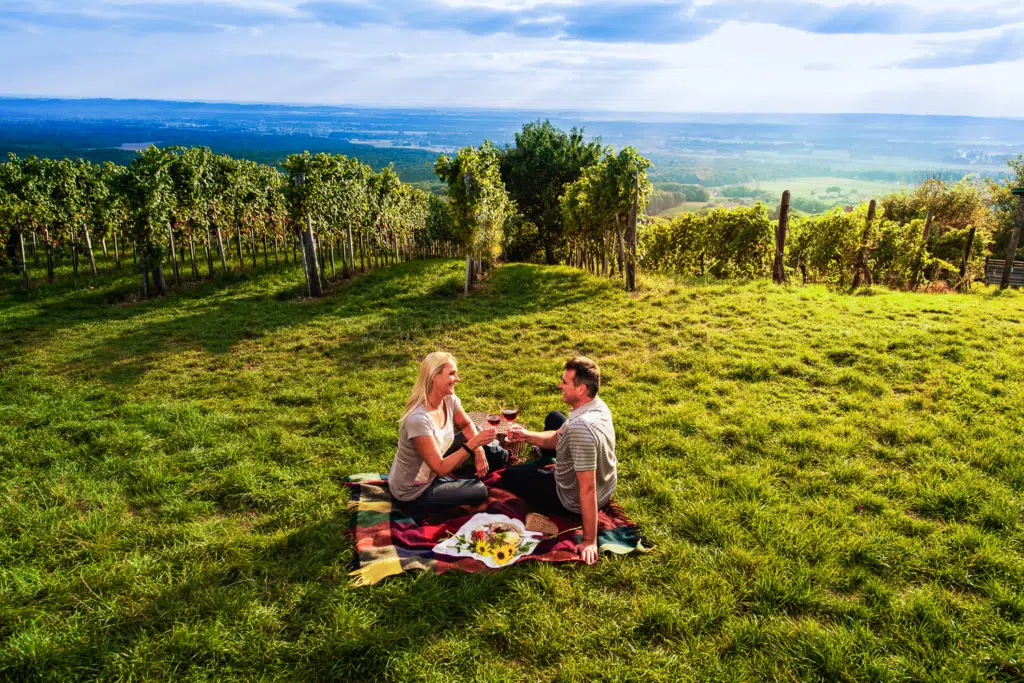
x=495, y=540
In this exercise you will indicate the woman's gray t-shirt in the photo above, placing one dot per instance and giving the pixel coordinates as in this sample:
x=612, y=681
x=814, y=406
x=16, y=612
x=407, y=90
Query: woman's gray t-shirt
x=410, y=475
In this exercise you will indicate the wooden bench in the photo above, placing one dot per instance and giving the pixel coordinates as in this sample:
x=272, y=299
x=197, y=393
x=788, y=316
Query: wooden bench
x=994, y=272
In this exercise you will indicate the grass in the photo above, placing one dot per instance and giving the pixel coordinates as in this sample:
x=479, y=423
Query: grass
x=833, y=481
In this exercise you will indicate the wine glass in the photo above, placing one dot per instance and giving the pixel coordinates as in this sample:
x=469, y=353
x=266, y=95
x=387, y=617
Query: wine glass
x=510, y=413
x=494, y=420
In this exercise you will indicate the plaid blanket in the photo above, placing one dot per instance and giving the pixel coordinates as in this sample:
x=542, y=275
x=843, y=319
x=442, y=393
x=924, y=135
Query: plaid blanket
x=389, y=542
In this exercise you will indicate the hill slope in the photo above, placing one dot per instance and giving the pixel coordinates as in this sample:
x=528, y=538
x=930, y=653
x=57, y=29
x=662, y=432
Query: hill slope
x=833, y=482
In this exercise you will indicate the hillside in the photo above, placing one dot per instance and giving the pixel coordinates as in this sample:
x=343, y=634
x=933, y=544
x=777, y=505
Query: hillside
x=833, y=482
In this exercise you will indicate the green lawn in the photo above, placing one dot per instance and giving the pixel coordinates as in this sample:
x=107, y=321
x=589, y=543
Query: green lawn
x=833, y=482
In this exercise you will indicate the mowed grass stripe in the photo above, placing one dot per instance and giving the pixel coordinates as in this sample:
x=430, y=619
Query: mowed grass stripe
x=833, y=481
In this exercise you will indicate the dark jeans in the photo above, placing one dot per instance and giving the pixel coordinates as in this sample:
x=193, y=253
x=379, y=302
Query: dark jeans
x=458, y=488
x=531, y=481
x=553, y=421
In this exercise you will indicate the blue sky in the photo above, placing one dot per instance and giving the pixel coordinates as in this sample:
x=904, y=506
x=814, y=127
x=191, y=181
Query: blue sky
x=915, y=56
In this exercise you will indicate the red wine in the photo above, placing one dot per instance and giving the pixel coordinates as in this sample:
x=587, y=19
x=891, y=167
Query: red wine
x=510, y=413
x=494, y=420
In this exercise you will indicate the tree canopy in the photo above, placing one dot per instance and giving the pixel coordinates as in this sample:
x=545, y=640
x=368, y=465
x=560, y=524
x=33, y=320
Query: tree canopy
x=535, y=170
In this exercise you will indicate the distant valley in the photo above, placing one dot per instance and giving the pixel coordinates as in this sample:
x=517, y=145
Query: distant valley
x=714, y=151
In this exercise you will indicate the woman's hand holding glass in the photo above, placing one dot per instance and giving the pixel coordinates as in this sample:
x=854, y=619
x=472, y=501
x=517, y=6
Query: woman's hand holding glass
x=484, y=436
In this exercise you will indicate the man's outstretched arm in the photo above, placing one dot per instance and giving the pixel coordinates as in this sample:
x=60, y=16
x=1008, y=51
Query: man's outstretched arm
x=588, y=509
x=547, y=439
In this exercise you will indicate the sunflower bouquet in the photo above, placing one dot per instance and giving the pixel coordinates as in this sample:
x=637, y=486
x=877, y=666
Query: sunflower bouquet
x=495, y=540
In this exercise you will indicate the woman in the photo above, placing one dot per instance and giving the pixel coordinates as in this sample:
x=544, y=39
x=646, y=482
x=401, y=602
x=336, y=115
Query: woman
x=429, y=451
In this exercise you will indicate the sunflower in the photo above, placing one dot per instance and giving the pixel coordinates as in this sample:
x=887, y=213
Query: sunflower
x=481, y=547
x=503, y=554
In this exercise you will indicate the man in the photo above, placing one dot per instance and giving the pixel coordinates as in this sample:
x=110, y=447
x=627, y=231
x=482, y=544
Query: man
x=584, y=450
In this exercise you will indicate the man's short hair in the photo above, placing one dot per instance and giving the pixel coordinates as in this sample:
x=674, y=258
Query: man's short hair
x=587, y=373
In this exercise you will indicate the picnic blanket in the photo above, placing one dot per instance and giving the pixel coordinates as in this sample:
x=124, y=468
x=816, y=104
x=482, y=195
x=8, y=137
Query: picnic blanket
x=389, y=542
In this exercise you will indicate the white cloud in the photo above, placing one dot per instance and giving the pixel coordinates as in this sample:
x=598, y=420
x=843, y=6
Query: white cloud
x=741, y=67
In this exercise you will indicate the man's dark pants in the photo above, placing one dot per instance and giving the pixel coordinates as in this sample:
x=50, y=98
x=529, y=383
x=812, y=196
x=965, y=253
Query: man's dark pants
x=534, y=482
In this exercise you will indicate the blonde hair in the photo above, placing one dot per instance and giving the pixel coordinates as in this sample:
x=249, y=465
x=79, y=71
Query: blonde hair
x=430, y=368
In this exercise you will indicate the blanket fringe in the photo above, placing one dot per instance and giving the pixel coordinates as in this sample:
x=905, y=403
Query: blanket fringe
x=373, y=572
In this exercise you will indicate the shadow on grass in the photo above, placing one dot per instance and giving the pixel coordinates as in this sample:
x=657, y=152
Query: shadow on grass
x=332, y=630
x=409, y=300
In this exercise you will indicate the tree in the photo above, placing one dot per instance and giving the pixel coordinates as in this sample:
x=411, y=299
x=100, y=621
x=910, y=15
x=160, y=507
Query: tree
x=148, y=190
x=946, y=212
x=307, y=196
x=480, y=204
x=384, y=202
x=441, y=228
x=13, y=214
x=543, y=160
x=1004, y=207
x=628, y=190
x=110, y=214
x=30, y=185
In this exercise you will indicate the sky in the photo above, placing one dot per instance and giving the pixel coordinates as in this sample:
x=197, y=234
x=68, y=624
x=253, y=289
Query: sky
x=911, y=57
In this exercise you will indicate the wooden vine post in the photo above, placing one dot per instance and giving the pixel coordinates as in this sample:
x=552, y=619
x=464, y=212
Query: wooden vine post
x=1011, y=248
x=919, y=263
x=351, y=248
x=862, y=253
x=88, y=249
x=309, y=261
x=778, y=268
x=74, y=250
x=174, y=254
x=467, y=181
x=24, y=261
x=631, y=236
x=620, y=247
x=967, y=252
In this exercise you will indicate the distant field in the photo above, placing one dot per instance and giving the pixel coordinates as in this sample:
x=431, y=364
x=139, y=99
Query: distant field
x=804, y=187
x=683, y=208
x=850, y=192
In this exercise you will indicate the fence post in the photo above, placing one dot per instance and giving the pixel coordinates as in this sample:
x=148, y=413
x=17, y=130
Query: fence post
x=919, y=263
x=967, y=252
x=779, y=269
x=1011, y=248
